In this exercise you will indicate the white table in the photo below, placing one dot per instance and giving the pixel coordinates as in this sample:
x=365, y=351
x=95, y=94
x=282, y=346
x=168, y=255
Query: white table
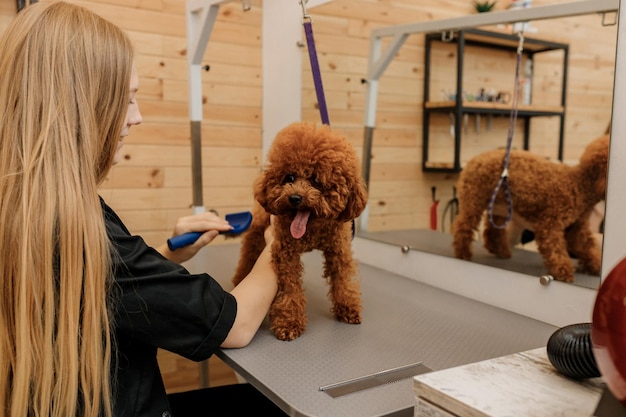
x=521, y=384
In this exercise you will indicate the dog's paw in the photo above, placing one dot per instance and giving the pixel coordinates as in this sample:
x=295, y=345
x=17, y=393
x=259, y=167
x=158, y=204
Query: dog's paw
x=591, y=268
x=563, y=273
x=288, y=332
x=347, y=314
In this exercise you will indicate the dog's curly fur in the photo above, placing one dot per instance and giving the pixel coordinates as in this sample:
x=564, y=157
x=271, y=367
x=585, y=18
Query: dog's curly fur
x=552, y=199
x=310, y=171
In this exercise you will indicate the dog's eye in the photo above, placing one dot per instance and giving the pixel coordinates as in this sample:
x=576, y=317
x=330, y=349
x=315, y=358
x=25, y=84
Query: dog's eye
x=289, y=179
x=316, y=182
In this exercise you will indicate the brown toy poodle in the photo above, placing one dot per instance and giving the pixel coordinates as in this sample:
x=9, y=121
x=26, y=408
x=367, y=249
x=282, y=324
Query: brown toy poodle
x=552, y=199
x=312, y=184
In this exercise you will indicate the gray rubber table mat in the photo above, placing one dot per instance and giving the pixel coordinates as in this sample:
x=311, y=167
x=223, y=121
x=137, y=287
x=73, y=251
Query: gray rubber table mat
x=404, y=322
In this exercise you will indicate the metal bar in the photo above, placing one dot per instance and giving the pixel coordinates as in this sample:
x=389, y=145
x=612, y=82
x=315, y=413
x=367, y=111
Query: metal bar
x=459, y=101
x=526, y=145
x=368, y=134
x=388, y=376
x=575, y=8
x=614, y=227
x=379, y=67
x=563, y=102
x=201, y=16
x=426, y=113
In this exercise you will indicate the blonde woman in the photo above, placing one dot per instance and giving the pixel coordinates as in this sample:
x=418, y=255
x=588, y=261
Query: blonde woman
x=84, y=304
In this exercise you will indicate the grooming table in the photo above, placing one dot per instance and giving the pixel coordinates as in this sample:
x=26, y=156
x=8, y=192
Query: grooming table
x=408, y=328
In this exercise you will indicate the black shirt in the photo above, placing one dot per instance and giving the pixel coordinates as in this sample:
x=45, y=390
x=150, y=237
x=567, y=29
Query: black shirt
x=158, y=304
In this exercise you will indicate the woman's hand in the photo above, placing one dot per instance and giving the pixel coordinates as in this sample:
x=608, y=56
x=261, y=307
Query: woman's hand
x=209, y=223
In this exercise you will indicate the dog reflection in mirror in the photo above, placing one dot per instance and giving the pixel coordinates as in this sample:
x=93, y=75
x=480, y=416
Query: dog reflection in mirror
x=554, y=200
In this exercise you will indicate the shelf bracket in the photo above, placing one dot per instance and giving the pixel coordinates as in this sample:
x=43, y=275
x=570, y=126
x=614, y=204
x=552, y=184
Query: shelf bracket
x=447, y=36
x=612, y=22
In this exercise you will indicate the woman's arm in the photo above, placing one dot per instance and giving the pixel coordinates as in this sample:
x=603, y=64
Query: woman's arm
x=254, y=297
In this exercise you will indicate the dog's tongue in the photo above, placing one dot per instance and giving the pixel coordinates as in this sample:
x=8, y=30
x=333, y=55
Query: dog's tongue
x=298, y=225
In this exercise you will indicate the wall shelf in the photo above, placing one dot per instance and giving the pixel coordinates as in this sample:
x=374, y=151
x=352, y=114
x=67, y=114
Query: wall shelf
x=460, y=107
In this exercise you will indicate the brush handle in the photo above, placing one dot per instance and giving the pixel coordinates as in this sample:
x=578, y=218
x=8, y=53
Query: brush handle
x=185, y=239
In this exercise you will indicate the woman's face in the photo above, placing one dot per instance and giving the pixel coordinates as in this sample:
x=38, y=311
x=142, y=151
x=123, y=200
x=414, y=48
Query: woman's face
x=133, y=116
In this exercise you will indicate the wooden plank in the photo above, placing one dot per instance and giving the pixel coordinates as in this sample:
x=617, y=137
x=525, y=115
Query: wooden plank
x=392, y=171
x=214, y=93
x=179, y=133
x=175, y=198
x=135, y=177
x=226, y=176
x=138, y=19
x=160, y=134
x=386, y=190
x=351, y=64
x=410, y=220
x=386, y=137
x=380, y=12
x=411, y=157
x=233, y=32
x=161, y=155
x=140, y=221
x=393, y=206
x=156, y=5
x=178, y=112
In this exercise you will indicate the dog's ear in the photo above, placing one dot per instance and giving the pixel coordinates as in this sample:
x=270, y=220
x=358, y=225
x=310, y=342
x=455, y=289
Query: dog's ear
x=260, y=190
x=356, y=200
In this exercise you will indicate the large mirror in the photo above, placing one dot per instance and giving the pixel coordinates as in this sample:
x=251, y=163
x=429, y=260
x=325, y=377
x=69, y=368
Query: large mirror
x=565, y=80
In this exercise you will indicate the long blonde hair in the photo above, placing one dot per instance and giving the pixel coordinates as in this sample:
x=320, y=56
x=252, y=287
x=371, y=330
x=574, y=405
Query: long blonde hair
x=64, y=88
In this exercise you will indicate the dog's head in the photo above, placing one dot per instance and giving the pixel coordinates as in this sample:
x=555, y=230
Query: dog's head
x=311, y=172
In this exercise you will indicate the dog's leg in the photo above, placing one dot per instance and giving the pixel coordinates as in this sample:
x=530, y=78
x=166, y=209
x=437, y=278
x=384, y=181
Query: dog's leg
x=287, y=312
x=553, y=248
x=581, y=244
x=344, y=292
x=496, y=240
x=252, y=245
x=471, y=210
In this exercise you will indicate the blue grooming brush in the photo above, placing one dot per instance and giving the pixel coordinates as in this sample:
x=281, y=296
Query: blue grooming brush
x=239, y=221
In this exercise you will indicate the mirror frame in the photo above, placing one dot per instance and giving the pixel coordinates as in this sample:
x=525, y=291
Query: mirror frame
x=559, y=303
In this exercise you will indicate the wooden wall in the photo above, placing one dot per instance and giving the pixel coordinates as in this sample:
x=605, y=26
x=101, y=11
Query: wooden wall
x=151, y=187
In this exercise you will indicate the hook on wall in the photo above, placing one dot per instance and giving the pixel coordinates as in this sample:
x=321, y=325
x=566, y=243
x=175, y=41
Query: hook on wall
x=612, y=22
x=447, y=36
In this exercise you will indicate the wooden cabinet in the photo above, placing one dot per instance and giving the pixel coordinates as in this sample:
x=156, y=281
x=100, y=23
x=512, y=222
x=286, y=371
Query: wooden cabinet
x=459, y=105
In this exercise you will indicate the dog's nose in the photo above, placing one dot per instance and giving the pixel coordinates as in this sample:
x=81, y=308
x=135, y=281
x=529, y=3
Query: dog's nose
x=295, y=199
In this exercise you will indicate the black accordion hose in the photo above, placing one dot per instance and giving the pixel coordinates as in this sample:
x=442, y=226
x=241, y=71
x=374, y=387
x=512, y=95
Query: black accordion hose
x=570, y=351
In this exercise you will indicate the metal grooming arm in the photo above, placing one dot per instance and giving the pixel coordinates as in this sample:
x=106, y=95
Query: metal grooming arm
x=201, y=15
